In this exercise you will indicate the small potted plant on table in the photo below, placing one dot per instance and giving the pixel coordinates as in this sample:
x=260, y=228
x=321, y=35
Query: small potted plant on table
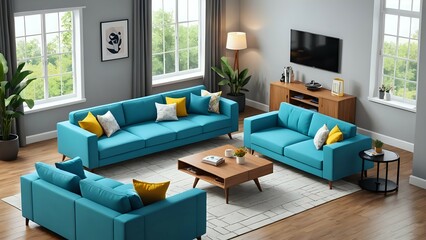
x=377, y=145
x=240, y=153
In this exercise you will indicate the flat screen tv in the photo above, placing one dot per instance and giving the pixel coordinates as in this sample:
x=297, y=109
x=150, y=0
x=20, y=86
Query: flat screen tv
x=315, y=50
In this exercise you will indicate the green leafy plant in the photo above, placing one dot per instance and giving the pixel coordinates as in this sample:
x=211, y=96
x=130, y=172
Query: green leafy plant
x=236, y=81
x=384, y=88
x=10, y=95
x=377, y=143
x=240, y=152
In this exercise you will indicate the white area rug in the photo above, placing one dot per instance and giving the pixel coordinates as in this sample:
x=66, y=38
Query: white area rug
x=286, y=191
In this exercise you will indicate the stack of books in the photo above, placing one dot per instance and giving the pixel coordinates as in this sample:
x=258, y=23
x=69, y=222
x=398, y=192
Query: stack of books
x=371, y=153
x=213, y=160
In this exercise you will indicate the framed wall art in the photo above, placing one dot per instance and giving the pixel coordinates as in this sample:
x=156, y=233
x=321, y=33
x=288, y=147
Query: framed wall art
x=114, y=40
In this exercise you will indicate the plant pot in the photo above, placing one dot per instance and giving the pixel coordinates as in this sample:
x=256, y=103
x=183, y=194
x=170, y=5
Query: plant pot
x=387, y=96
x=381, y=94
x=377, y=149
x=241, y=160
x=9, y=149
x=240, y=99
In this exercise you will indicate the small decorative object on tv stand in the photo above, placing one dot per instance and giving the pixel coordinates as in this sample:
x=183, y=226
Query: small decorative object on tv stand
x=337, y=88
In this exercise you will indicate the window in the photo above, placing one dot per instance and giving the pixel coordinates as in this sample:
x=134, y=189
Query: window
x=399, y=49
x=177, y=37
x=49, y=44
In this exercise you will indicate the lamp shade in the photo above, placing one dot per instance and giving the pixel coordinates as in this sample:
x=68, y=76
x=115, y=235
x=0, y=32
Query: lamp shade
x=236, y=41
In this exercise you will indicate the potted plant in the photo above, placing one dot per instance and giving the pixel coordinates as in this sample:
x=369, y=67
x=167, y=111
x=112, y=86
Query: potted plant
x=240, y=153
x=235, y=80
x=10, y=100
x=377, y=145
x=387, y=93
x=382, y=90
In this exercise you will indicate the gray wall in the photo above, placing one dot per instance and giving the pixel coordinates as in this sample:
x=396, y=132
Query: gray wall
x=268, y=25
x=419, y=158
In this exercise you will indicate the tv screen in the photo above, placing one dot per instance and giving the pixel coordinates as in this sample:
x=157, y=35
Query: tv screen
x=315, y=50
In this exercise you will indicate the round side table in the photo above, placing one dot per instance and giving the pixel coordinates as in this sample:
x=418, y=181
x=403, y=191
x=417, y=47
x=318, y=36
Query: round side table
x=379, y=184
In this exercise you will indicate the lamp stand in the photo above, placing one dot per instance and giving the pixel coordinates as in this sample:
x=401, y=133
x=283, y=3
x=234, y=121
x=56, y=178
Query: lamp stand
x=236, y=64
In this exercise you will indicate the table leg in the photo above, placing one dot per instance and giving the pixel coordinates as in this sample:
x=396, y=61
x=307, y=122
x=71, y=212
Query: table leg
x=362, y=170
x=226, y=194
x=386, y=178
x=195, y=182
x=397, y=175
x=257, y=184
x=377, y=177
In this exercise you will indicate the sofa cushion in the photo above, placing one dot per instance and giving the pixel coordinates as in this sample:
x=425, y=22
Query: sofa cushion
x=210, y=122
x=58, y=177
x=199, y=105
x=74, y=166
x=141, y=109
x=120, y=143
x=166, y=112
x=180, y=105
x=135, y=200
x=108, y=123
x=153, y=133
x=295, y=118
x=91, y=124
x=108, y=182
x=115, y=108
x=106, y=196
x=321, y=137
x=151, y=192
x=335, y=135
x=183, y=93
x=277, y=138
x=214, y=100
x=183, y=128
x=305, y=152
x=318, y=120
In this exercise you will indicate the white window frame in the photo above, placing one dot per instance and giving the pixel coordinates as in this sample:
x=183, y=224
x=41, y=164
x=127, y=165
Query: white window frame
x=191, y=74
x=78, y=69
x=376, y=76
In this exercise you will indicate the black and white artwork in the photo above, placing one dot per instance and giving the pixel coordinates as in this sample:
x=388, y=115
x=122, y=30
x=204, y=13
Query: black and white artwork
x=114, y=40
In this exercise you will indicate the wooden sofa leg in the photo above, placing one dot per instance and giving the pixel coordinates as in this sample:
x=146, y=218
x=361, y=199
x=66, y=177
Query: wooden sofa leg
x=330, y=184
x=365, y=173
x=229, y=135
x=252, y=151
x=63, y=157
x=27, y=221
x=198, y=238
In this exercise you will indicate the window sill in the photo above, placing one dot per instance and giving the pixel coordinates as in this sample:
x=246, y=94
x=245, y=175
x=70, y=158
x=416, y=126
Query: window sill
x=176, y=79
x=52, y=105
x=395, y=104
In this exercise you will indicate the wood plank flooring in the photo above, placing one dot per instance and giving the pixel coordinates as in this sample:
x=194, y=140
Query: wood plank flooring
x=362, y=215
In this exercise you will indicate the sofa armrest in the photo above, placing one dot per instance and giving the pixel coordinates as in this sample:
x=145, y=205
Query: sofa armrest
x=182, y=216
x=341, y=159
x=27, y=194
x=74, y=141
x=230, y=108
x=258, y=122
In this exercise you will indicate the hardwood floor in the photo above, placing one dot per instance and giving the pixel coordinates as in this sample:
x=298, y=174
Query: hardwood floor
x=362, y=215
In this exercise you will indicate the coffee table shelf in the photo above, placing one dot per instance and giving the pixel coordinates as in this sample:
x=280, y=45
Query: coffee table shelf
x=227, y=174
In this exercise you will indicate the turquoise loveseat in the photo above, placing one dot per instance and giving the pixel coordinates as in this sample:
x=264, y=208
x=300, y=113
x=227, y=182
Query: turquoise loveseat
x=287, y=136
x=140, y=134
x=56, y=200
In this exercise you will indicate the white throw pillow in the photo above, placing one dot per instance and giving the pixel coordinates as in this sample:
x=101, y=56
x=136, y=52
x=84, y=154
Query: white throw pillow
x=108, y=123
x=321, y=137
x=214, y=100
x=166, y=112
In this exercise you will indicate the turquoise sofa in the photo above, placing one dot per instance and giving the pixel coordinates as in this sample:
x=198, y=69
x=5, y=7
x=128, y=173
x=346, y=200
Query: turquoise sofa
x=140, y=134
x=287, y=136
x=75, y=209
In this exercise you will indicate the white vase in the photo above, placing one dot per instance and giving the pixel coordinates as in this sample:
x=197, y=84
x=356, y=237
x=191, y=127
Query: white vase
x=241, y=160
x=387, y=96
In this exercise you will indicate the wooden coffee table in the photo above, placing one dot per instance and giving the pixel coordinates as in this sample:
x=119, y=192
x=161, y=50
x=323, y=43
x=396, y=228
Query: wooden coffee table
x=229, y=173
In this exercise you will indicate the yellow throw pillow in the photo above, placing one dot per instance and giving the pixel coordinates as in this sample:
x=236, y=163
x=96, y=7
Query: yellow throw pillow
x=151, y=192
x=180, y=105
x=335, y=135
x=91, y=124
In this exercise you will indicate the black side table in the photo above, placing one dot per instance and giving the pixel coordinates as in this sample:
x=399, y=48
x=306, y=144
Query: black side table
x=379, y=184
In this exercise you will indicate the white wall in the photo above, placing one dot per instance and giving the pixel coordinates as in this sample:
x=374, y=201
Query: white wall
x=268, y=25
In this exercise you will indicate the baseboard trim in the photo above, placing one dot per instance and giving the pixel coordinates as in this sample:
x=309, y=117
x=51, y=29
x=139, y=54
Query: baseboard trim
x=41, y=137
x=388, y=140
x=416, y=181
x=257, y=105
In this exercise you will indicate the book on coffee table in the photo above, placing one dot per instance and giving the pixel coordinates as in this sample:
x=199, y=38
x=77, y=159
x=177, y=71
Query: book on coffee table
x=372, y=152
x=213, y=160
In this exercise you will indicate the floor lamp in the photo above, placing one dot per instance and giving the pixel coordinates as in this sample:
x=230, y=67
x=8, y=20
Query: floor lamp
x=236, y=41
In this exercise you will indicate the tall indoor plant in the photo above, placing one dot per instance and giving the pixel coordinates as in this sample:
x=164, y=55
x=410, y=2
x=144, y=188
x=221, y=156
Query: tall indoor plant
x=10, y=101
x=235, y=80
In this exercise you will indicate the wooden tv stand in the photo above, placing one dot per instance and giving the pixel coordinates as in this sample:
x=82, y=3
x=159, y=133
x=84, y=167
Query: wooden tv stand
x=321, y=100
